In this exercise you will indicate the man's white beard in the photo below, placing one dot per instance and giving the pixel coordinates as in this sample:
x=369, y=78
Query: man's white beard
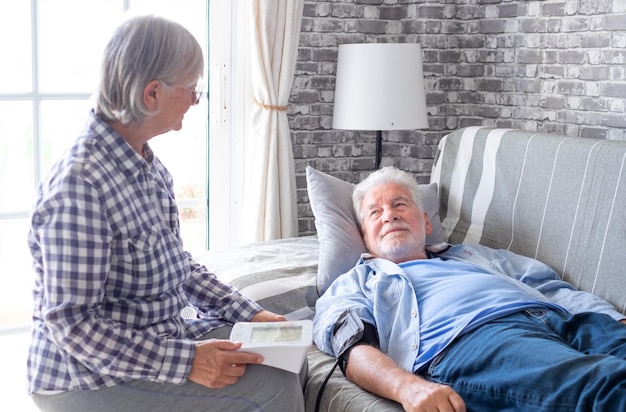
x=400, y=248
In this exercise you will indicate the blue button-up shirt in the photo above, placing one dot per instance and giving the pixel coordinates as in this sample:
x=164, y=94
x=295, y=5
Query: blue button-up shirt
x=418, y=308
x=112, y=275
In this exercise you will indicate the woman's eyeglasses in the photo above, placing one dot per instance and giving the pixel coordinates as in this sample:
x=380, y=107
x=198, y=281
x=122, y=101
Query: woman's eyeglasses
x=196, y=91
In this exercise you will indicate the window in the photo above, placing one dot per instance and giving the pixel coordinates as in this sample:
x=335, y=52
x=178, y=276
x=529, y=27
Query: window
x=51, y=52
x=229, y=97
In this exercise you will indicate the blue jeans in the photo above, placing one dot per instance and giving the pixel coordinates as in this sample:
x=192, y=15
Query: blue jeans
x=538, y=360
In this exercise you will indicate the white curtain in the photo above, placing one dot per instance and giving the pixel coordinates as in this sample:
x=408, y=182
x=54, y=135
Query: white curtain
x=269, y=199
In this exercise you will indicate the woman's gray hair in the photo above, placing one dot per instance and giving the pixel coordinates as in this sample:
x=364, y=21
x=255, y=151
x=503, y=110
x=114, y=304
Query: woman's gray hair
x=385, y=175
x=144, y=48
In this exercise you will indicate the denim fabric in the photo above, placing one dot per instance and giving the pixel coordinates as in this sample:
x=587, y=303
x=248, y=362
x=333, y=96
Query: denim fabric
x=538, y=360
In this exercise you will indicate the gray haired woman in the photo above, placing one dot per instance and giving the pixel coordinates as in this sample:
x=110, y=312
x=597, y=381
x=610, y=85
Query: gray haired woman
x=111, y=273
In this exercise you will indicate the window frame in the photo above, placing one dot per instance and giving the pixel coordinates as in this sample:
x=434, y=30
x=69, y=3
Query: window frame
x=36, y=97
x=229, y=88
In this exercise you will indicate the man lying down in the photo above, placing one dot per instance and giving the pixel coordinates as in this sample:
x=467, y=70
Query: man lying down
x=466, y=327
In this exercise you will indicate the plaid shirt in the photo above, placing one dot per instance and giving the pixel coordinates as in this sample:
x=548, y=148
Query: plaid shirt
x=111, y=273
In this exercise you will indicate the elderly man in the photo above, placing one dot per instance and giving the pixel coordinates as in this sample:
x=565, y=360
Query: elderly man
x=464, y=326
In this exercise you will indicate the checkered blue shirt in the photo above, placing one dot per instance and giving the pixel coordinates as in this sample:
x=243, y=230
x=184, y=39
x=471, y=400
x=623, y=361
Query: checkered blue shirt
x=112, y=275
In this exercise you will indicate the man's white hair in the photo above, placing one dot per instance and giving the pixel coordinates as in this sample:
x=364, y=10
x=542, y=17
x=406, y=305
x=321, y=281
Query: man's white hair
x=385, y=175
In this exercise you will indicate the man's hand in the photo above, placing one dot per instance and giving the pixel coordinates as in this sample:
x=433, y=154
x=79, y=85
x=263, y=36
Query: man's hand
x=267, y=316
x=623, y=321
x=375, y=372
x=418, y=394
x=217, y=365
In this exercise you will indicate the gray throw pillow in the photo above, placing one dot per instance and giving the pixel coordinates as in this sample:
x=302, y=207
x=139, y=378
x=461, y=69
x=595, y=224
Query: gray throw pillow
x=340, y=241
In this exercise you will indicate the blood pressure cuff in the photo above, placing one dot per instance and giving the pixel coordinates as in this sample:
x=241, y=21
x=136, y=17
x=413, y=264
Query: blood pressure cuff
x=349, y=332
x=370, y=337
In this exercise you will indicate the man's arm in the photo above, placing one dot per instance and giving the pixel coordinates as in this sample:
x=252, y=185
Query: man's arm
x=375, y=372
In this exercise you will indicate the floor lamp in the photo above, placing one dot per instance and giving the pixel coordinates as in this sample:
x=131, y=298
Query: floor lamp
x=379, y=86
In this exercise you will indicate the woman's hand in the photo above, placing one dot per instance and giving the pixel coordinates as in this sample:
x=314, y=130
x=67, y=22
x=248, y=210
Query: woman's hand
x=216, y=363
x=267, y=316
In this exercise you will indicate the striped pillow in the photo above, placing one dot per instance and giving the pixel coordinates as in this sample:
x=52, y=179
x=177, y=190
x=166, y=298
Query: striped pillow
x=280, y=275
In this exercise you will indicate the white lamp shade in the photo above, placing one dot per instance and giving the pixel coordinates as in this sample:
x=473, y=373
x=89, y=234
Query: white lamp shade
x=379, y=86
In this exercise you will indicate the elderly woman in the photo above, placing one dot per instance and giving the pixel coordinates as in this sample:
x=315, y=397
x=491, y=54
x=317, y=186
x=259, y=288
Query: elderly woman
x=111, y=273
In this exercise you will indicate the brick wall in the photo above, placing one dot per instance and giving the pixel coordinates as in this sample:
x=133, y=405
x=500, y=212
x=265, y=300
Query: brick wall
x=551, y=65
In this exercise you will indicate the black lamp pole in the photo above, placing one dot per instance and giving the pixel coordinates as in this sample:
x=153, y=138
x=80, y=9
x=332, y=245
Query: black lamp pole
x=379, y=147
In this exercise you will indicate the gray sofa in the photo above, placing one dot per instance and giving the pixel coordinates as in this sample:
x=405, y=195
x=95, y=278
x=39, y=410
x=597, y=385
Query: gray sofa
x=558, y=199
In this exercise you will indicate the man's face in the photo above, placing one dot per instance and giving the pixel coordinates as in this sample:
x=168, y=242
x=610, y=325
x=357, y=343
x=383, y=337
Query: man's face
x=393, y=226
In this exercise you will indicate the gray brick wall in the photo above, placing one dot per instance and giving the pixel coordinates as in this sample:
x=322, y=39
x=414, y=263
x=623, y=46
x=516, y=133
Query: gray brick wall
x=542, y=65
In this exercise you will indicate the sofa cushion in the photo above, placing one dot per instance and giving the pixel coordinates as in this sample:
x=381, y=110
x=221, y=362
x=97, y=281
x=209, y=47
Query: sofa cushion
x=279, y=274
x=551, y=197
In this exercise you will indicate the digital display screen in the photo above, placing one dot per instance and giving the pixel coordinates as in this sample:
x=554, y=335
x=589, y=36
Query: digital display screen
x=276, y=334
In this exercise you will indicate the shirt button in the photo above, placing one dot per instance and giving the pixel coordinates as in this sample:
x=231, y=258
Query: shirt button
x=414, y=314
x=414, y=347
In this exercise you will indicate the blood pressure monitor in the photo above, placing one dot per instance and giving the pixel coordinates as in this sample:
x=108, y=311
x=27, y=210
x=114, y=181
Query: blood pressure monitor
x=283, y=345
